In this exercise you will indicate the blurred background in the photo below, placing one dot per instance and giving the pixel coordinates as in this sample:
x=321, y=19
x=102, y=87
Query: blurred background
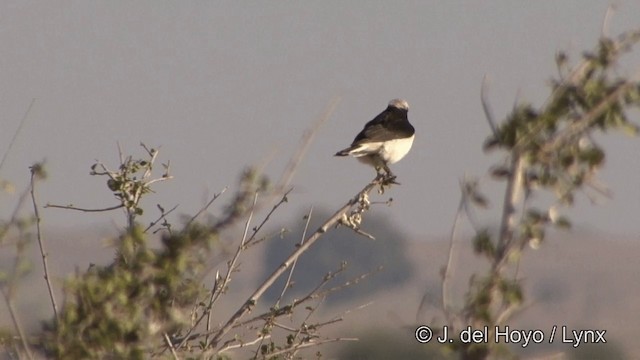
x=220, y=85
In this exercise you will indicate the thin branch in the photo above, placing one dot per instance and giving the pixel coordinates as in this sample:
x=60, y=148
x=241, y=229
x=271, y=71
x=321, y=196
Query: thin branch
x=16, y=323
x=365, y=234
x=359, y=307
x=284, y=327
x=269, y=315
x=230, y=268
x=257, y=294
x=581, y=125
x=309, y=344
x=35, y=172
x=241, y=247
x=153, y=181
x=14, y=215
x=305, y=142
x=283, y=200
x=347, y=283
x=512, y=193
x=244, y=344
x=293, y=266
x=576, y=75
x=488, y=114
x=170, y=345
x=71, y=207
x=304, y=328
x=216, y=286
x=449, y=268
x=262, y=338
x=204, y=208
x=328, y=322
x=15, y=134
x=120, y=154
x=162, y=216
x=280, y=232
x=525, y=204
x=312, y=294
x=611, y=9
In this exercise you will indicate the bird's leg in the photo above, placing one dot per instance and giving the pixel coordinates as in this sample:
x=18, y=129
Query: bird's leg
x=381, y=177
x=390, y=178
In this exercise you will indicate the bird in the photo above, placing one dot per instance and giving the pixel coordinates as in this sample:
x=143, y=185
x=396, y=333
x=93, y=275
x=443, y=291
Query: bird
x=384, y=140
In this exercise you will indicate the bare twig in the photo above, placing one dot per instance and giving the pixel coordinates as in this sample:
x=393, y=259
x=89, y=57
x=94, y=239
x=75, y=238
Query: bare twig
x=35, y=172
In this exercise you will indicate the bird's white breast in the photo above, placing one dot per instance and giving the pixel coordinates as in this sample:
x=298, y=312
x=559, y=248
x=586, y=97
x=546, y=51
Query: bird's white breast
x=394, y=150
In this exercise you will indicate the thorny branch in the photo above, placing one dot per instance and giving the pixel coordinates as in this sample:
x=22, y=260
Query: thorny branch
x=38, y=172
x=332, y=221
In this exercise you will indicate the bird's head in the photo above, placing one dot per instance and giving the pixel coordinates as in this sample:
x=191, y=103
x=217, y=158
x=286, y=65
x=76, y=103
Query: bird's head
x=399, y=104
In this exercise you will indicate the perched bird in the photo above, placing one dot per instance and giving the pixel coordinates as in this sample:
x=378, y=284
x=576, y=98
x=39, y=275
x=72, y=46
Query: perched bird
x=384, y=140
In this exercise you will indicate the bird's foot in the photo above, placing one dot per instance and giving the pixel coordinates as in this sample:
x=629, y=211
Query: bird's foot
x=385, y=179
x=392, y=180
x=389, y=179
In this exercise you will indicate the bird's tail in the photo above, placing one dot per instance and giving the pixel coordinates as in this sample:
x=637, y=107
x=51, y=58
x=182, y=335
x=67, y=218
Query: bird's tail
x=344, y=152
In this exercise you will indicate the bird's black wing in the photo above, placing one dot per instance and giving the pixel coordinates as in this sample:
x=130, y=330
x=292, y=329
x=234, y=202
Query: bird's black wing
x=388, y=125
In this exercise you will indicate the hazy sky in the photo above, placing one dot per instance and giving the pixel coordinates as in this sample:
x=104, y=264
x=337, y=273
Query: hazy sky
x=221, y=85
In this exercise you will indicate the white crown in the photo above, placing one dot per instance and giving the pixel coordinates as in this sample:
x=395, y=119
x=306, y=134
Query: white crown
x=399, y=103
